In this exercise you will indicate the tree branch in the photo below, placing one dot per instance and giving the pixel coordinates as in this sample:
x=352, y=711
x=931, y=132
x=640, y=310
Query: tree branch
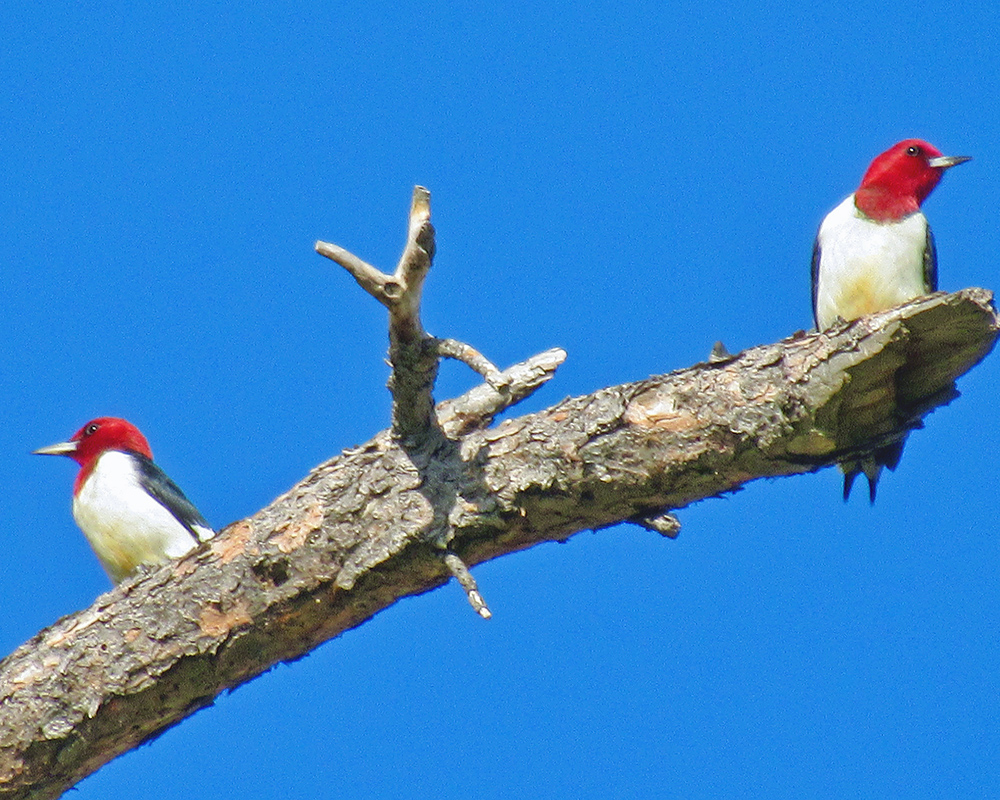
x=412, y=353
x=473, y=359
x=480, y=405
x=366, y=528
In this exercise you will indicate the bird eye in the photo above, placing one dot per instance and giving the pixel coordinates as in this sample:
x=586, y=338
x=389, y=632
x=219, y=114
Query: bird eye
x=913, y=150
x=91, y=429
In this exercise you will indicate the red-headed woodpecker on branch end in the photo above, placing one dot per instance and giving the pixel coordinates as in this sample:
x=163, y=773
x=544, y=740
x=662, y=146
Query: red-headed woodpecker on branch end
x=875, y=251
x=129, y=510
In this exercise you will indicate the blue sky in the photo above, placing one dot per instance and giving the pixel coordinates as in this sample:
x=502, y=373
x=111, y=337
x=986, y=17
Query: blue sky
x=631, y=182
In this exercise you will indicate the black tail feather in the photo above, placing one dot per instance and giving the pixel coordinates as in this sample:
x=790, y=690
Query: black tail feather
x=850, y=473
x=871, y=465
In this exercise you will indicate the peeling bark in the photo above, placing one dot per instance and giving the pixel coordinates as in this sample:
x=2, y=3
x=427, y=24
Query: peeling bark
x=367, y=527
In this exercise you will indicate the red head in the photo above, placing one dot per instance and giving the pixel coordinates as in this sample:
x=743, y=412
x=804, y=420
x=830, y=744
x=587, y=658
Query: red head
x=96, y=437
x=899, y=179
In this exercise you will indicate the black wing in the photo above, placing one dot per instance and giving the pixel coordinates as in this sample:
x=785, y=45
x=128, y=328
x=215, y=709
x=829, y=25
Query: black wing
x=169, y=495
x=930, y=263
x=815, y=280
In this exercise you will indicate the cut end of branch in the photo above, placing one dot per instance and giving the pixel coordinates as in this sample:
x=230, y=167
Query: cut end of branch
x=421, y=203
x=461, y=573
x=420, y=244
x=479, y=605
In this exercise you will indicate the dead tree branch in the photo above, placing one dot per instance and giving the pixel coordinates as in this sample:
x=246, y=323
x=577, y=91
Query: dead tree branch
x=412, y=353
x=414, y=356
x=355, y=535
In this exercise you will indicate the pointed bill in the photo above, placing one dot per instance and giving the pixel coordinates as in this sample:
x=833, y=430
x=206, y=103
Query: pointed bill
x=944, y=162
x=59, y=449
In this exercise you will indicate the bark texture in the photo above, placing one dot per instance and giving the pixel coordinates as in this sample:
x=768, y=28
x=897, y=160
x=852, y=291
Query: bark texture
x=366, y=528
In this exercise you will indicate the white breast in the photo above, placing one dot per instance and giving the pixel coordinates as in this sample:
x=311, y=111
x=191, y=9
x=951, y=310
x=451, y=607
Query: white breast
x=125, y=525
x=867, y=266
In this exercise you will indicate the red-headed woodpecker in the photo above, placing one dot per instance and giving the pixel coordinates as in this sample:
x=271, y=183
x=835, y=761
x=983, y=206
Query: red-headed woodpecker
x=129, y=510
x=874, y=251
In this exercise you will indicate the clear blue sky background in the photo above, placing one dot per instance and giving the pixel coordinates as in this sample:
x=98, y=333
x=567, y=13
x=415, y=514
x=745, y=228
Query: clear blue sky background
x=631, y=183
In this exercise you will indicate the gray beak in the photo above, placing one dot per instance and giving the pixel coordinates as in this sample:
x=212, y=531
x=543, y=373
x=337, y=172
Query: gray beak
x=60, y=449
x=943, y=162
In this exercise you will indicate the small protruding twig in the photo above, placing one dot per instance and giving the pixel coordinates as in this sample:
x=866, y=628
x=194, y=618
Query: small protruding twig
x=413, y=355
x=473, y=359
x=719, y=353
x=461, y=572
x=477, y=407
x=369, y=278
x=664, y=524
x=400, y=292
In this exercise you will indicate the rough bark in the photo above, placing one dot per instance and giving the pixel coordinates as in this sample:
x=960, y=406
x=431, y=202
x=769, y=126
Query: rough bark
x=371, y=525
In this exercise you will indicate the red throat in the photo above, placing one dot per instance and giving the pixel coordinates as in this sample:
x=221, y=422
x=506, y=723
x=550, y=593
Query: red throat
x=898, y=181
